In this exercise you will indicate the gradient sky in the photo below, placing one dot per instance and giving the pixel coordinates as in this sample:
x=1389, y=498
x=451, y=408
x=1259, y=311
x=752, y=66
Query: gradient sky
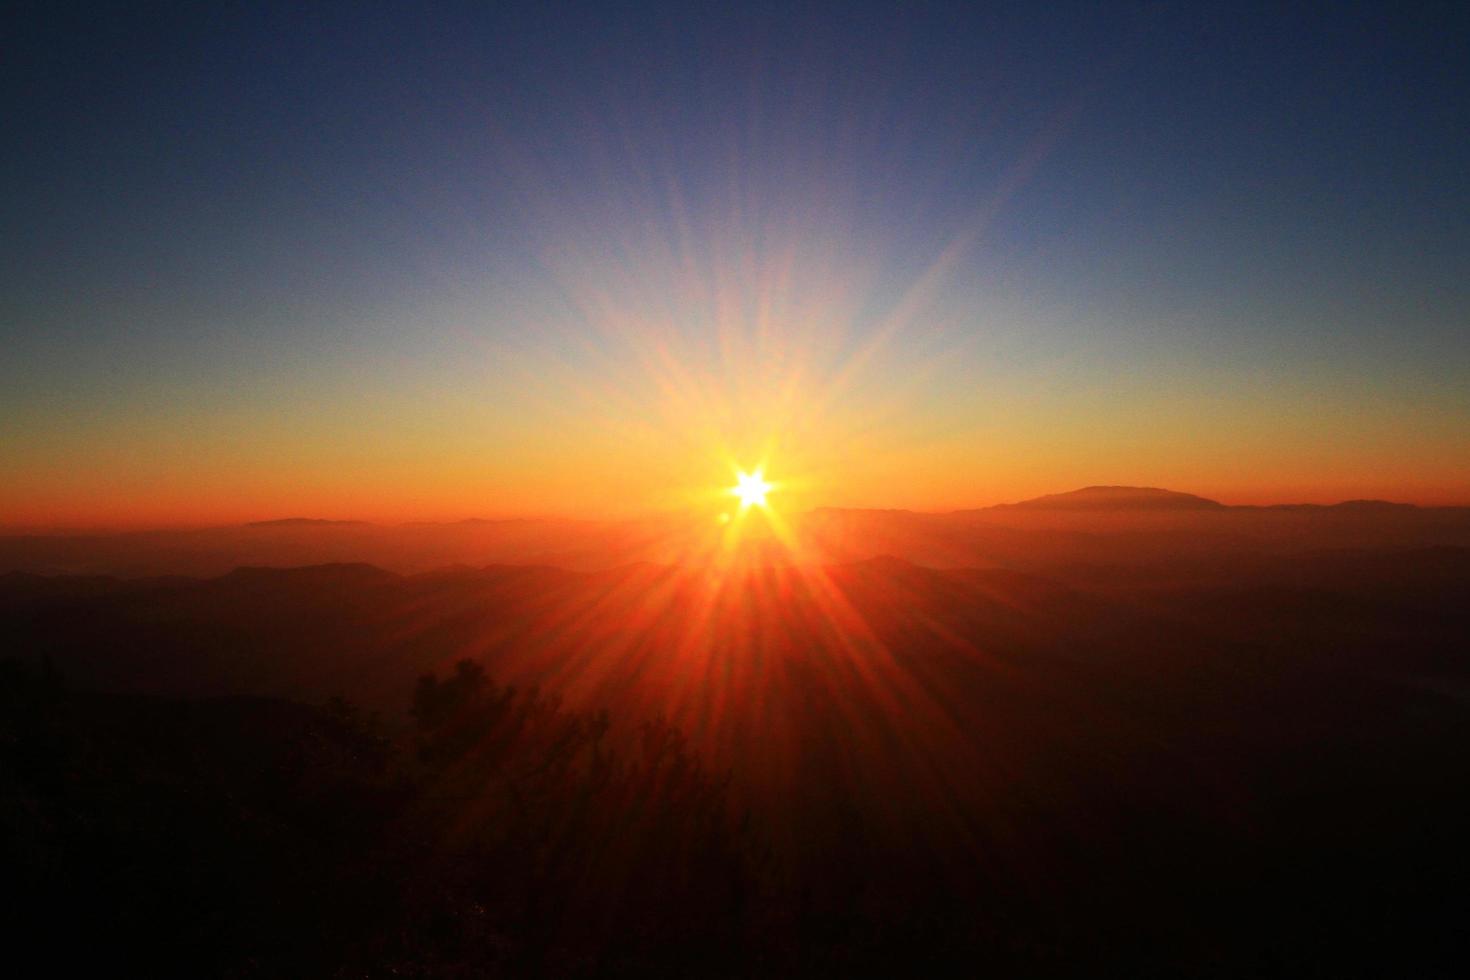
x=433, y=261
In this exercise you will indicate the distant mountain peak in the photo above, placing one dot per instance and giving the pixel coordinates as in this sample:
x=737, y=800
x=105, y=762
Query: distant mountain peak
x=305, y=522
x=331, y=572
x=1119, y=498
x=1373, y=505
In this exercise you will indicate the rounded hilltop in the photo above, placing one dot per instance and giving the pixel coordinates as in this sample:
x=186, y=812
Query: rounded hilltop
x=1119, y=498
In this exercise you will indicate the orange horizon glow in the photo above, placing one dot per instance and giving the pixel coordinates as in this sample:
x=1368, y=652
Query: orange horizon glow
x=589, y=324
x=682, y=365
x=105, y=513
x=779, y=371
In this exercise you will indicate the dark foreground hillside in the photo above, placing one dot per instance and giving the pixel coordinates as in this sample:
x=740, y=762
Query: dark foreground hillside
x=880, y=768
x=254, y=837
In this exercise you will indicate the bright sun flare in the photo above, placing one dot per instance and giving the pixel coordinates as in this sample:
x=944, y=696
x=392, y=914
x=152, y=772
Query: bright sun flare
x=751, y=488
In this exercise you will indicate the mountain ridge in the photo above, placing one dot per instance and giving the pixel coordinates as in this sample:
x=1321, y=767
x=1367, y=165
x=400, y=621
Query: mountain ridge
x=1117, y=498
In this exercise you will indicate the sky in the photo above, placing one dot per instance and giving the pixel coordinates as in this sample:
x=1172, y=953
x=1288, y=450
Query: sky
x=436, y=261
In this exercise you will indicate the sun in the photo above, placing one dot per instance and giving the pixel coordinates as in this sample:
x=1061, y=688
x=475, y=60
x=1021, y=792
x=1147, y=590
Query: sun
x=751, y=488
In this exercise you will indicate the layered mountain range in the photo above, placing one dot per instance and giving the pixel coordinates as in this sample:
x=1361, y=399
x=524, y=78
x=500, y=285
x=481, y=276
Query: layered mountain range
x=1095, y=526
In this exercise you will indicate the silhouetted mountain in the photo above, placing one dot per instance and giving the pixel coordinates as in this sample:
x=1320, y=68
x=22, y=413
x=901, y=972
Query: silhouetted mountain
x=1096, y=526
x=988, y=766
x=305, y=522
x=1118, y=498
x=1375, y=506
x=339, y=575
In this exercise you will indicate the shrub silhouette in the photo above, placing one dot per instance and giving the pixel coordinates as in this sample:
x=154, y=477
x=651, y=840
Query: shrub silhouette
x=551, y=844
x=503, y=832
x=246, y=836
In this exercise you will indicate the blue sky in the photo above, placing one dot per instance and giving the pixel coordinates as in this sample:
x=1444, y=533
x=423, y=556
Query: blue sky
x=260, y=200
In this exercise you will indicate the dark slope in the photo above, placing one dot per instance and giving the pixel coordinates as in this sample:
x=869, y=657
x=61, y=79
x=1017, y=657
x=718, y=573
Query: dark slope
x=987, y=765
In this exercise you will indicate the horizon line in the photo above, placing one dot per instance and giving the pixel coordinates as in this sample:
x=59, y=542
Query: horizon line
x=302, y=520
